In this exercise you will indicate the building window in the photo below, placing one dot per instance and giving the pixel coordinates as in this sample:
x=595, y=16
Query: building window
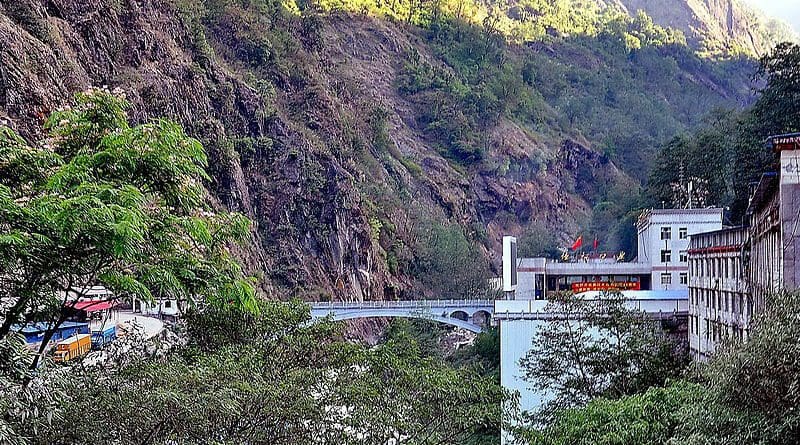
x=684, y=256
x=666, y=233
x=683, y=233
x=684, y=278
x=167, y=304
x=666, y=256
x=666, y=278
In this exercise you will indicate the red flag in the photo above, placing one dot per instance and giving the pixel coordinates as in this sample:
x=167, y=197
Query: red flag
x=578, y=243
x=596, y=243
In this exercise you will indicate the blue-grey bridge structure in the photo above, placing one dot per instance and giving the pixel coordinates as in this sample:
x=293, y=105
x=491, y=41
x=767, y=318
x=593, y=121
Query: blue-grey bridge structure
x=472, y=315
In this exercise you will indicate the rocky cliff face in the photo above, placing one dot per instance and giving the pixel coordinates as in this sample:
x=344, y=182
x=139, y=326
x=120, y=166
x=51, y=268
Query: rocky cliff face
x=305, y=131
x=310, y=228
x=717, y=25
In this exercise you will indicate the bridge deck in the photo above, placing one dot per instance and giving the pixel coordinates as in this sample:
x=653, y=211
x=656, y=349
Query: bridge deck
x=404, y=304
x=460, y=312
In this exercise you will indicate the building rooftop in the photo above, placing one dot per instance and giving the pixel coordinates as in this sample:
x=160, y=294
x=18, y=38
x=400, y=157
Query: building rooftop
x=727, y=229
x=763, y=192
x=646, y=217
x=42, y=327
x=783, y=142
x=599, y=268
x=707, y=211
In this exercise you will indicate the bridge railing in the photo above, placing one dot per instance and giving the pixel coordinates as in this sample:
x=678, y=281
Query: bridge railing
x=404, y=304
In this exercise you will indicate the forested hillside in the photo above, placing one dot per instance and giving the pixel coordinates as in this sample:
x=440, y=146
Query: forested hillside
x=378, y=144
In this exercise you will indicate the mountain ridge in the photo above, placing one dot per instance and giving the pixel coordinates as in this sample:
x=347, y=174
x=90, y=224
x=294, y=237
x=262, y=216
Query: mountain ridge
x=718, y=26
x=373, y=153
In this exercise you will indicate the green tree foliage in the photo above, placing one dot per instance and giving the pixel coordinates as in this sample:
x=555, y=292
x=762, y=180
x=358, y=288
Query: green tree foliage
x=483, y=353
x=747, y=394
x=538, y=241
x=271, y=378
x=30, y=402
x=761, y=377
x=728, y=153
x=102, y=202
x=449, y=265
x=649, y=418
x=481, y=357
x=778, y=106
x=598, y=349
x=99, y=201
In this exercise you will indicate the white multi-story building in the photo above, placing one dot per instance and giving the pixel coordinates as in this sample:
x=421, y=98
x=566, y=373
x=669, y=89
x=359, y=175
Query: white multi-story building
x=662, y=263
x=664, y=242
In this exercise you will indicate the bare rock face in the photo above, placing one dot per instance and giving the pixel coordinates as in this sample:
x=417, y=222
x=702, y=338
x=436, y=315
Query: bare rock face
x=716, y=24
x=310, y=228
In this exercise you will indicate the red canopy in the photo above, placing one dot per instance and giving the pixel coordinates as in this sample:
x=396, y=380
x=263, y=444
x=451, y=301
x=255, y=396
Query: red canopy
x=93, y=306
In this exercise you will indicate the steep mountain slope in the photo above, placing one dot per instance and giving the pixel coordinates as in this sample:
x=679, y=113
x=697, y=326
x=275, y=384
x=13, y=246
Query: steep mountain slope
x=717, y=26
x=350, y=139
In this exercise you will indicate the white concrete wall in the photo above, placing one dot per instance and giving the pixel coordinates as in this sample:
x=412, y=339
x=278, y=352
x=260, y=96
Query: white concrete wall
x=158, y=307
x=651, y=244
x=515, y=342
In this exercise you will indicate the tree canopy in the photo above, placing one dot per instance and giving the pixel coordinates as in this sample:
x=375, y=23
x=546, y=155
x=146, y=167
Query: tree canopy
x=272, y=378
x=728, y=152
x=598, y=349
x=748, y=393
x=99, y=201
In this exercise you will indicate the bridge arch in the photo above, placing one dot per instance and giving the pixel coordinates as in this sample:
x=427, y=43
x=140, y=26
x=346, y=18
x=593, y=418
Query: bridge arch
x=482, y=318
x=460, y=315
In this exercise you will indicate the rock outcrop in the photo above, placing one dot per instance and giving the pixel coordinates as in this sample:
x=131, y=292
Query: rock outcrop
x=717, y=25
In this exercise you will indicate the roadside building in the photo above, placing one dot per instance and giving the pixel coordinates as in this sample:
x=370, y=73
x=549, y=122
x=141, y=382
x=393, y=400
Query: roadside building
x=169, y=309
x=663, y=242
x=719, y=302
x=765, y=266
x=34, y=332
x=539, y=277
x=774, y=211
x=734, y=271
x=662, y=263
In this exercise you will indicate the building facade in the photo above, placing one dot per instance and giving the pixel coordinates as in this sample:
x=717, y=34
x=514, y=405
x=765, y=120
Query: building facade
x=662, y=263
x=663, y=242
x=160, y=307
x=720, y=305
x=733, y=272
x=765, y=263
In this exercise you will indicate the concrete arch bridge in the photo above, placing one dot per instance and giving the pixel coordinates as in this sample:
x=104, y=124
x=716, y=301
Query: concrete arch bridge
x=472, y=315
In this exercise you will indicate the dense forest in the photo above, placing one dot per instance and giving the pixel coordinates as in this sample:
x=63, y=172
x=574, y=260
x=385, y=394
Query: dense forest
x=728, y=152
